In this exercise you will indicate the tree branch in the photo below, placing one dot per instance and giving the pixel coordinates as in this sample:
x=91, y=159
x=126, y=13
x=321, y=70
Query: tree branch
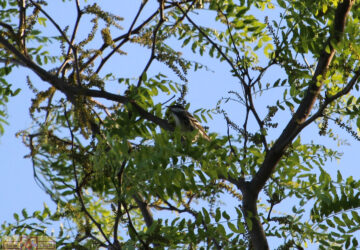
x=330, y=99
x=22, y=24
x=210, y=41
x=153, y=47
x=293, y=128
x=295, y=125
x=70, y=90
x=131, y=225
x=77, y=187
x=144, y=208
x=73, y=48
x=126, y=38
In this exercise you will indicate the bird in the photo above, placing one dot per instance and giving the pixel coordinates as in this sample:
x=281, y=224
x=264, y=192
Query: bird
x=186, y=121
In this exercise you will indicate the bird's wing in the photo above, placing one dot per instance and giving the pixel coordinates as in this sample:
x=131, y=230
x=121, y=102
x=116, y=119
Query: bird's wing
x=195, y=123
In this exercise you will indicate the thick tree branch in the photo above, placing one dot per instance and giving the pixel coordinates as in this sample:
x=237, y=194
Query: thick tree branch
x=293, y=128
x=11, y=60
x=70, y=90
x=295, y=125
x=144, y=208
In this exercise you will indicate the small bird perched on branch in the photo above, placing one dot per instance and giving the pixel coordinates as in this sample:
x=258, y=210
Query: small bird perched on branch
x=185, y=121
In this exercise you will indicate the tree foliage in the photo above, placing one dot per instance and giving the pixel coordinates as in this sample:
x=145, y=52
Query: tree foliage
x=123, y=176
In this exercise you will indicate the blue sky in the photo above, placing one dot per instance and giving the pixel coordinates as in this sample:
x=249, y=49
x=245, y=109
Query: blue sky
x=18, y=189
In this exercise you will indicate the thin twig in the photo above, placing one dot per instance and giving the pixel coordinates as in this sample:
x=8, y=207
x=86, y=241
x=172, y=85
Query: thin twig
x=22, y=24
x=9, y=28
x=119, y=192
x=65, y=37
x=132, y=225
x=125, y=37
x=152, y=56
x=209, y=40
x=330, y=99
x=77, y=187
x=76, y=26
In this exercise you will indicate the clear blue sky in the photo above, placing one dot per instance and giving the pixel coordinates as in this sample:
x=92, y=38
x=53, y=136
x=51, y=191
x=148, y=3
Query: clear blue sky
x=18, y=189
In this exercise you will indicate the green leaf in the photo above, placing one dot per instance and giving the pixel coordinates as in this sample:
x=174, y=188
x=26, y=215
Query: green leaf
x=241, y=226
x=355, y=242
x=144, y=77
x=38, y=59
x=358, y=122
x=339, y=222
x=233, y=228
x=217, y=214
x=42, y=21
x=330, y=223
x=249, y=223
x=241, y=11
x=267, y=49
x=225, y=215
x=16, y=216
x=276, y=83
x=206, y=215
x=193, y=46
x=24, y=213
x=186, y=41
x=347, y=243
x=16, y=92
x=221, y=230
x=181, y=224
x=199, y=218
x=347, y=220
x=339, y=178
x=355, y=216
x=327, y=49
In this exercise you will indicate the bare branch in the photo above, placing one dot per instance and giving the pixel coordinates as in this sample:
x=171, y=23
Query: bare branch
x=64, y=36
x=76, y=26
x=256, y=115
x=152, y=56
x=126, y=39
x=119, y=190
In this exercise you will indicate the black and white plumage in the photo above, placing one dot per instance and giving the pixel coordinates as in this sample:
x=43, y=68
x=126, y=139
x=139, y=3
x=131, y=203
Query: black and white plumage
x=185, y=121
